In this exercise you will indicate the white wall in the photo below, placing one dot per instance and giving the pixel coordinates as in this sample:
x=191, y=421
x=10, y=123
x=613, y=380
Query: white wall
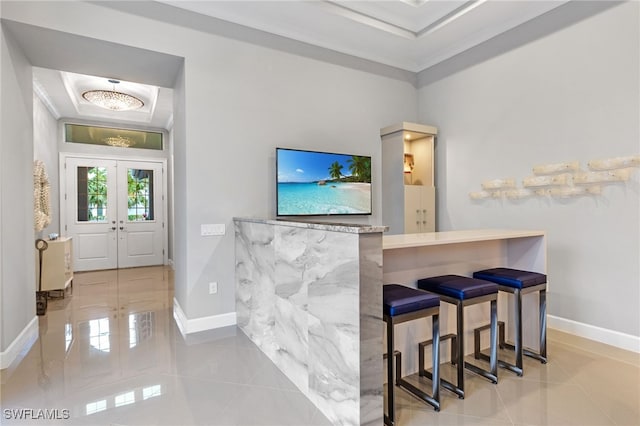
x=235, y=102
x=180, y=189
x=17, y=270
x=570, y=95
x=45, y=149
x=242, y=102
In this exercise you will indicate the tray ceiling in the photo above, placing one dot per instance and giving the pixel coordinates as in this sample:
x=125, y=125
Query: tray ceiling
x=407, y=34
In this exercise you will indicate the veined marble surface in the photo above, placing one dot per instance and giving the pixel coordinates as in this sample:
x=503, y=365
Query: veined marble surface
x=311, y=299
x=353, y=228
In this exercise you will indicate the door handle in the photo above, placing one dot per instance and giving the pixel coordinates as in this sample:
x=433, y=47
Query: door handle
x=113, y=228
x=121, y=228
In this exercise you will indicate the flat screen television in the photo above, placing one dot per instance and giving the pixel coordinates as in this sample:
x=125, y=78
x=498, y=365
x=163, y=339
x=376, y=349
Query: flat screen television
x=312, y=183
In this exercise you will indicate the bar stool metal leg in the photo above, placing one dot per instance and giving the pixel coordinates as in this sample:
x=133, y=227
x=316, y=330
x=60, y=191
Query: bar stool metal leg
x=493, y=362
x=519, y=348
x=543, y=326
x=435, y=376
x=391, y=402
x=542, y=355
x=518, y=323
x=460, y=346
x=492, y=374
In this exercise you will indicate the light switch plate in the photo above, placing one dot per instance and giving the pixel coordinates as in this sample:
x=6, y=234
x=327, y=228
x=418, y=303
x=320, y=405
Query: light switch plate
x=212, y=229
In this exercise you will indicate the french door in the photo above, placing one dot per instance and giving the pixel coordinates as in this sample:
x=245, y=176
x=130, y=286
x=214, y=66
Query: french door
x=114, y=212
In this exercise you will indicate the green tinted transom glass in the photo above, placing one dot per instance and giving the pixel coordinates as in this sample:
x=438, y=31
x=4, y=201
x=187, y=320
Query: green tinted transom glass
x=108, y=136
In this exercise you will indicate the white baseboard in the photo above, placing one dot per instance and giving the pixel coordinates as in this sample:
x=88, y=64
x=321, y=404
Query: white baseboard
x=188, y=326
x=602, y=335
x=20, y=345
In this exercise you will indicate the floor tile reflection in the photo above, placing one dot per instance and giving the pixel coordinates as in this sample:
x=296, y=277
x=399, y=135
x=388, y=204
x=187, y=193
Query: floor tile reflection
x=110, y=354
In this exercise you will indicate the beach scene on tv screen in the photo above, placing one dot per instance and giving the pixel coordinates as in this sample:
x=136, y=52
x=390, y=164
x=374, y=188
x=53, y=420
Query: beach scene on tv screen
x=317, y=183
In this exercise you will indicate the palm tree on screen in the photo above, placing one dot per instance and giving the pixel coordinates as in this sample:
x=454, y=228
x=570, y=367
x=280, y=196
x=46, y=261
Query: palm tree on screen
x=335, y=170
x=360, y=166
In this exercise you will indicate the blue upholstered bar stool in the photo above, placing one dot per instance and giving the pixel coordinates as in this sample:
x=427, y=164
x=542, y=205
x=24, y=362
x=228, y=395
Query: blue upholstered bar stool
x=518, y=282
x=463, y=291
x=401, y=304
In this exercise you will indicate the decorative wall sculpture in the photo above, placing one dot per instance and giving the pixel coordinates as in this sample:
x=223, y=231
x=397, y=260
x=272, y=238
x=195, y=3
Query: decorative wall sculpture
x=41, y=200
x=562, y=180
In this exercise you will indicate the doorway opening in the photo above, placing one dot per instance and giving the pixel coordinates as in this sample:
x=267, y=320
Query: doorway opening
x=114, y=210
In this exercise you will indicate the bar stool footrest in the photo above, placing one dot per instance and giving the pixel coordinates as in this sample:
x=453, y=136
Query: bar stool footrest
x=418, y=393
x=398, y=360
x=429, y=342
x=481, y=372
x=526, y=352
x=503, y=344
x=534, y=355
x=451, y=387
x=409, y=387
x=476, y=338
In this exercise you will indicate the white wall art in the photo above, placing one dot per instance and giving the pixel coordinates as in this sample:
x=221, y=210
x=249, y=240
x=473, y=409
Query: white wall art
x=498, y=184
x=562, y=180
x=549, y=169
x=615, y=163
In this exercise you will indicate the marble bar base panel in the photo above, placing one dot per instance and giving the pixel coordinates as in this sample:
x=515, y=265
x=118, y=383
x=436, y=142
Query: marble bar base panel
x=309, y=295
x=410, y=257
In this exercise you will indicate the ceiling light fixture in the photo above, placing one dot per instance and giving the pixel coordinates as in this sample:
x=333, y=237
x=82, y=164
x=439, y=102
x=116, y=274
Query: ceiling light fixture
x=113, y=100
x=118, y=141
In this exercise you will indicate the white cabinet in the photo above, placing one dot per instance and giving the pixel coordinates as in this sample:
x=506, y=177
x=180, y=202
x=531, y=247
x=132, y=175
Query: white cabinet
x=408, y=190
x=57, y=265
x=419, y=209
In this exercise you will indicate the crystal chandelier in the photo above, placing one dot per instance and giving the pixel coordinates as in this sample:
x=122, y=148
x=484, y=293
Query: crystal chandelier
x=112, y=99
x=118, y=141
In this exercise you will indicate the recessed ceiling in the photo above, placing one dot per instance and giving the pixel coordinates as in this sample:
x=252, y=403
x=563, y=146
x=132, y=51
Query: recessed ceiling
x=62, y=93
x=407, y=34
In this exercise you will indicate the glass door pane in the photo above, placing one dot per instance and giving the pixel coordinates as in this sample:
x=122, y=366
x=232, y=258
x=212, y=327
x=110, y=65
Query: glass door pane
x=92, y=194
x=140, y=202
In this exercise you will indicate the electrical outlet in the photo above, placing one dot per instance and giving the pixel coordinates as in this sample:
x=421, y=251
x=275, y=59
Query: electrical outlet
x=213, y=288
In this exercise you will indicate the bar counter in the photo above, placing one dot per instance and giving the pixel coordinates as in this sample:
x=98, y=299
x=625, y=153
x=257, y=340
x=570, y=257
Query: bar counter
x=309, y=295
x=410, y=257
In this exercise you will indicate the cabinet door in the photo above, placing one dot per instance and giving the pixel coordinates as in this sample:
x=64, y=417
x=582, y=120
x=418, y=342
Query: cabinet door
x=419, y=209
x=412, y=209
x=428, y=205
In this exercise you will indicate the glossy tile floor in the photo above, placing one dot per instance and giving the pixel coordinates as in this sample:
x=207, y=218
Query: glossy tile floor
x=110, y=353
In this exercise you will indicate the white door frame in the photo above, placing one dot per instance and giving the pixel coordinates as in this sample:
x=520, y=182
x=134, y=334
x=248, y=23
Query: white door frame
x=63, y=185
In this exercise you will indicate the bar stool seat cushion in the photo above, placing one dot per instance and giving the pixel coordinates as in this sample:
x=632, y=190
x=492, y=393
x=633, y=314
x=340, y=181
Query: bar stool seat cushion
x=511, y=277
x=399, y=299
x=458, y=287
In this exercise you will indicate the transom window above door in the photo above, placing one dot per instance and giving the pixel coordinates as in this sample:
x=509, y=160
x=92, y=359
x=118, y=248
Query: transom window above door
x=109, y=136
